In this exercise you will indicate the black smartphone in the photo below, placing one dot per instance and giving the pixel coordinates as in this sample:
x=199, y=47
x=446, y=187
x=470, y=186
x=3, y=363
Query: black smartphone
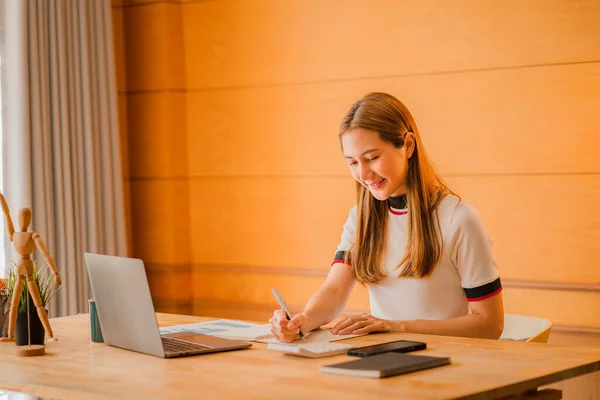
x=399, y=346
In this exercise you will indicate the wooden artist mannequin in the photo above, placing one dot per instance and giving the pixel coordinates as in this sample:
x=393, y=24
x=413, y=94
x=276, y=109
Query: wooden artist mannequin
x=25, y=243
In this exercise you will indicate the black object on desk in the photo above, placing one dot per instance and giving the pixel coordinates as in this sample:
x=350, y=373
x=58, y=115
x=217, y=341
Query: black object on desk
x=384, y=365
x=399, y=346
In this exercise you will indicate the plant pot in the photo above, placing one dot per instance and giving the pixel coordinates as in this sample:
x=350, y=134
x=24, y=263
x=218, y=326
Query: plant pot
x=37, y=330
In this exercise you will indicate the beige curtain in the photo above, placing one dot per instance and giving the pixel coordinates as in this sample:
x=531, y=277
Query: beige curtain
x=61, y=150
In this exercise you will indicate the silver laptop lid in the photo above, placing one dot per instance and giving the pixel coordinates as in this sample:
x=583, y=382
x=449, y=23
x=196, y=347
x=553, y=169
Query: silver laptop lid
x=124, y=304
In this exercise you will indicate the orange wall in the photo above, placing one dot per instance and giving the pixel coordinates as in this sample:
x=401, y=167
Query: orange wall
x=230, y=111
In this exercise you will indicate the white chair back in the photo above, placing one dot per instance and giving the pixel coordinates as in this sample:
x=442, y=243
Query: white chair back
x=525, y=329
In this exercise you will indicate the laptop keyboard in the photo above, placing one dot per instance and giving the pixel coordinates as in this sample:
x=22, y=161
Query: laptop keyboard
x=179, y=346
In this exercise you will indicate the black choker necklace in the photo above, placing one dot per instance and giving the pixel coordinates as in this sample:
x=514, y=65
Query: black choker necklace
x=398, y=202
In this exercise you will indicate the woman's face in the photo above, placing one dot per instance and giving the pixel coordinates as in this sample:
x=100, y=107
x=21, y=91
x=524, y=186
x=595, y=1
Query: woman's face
x=377, y=164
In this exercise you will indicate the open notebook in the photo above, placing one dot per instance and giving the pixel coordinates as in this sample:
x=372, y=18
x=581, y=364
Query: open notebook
x=241, y=330
x=262, y=333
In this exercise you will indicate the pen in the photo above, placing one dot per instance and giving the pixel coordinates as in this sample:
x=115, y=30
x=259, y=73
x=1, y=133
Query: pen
x=284, y=307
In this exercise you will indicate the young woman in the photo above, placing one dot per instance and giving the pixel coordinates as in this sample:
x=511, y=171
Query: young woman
x=423, y=252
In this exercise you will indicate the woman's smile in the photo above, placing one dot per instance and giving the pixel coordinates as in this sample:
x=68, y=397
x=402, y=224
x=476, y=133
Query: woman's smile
x=376, y=185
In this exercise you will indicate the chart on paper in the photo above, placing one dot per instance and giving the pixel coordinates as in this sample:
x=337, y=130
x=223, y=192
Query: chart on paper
x=215, y=328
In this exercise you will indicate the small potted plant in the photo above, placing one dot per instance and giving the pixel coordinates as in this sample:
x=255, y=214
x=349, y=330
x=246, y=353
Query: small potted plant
x=44, y=279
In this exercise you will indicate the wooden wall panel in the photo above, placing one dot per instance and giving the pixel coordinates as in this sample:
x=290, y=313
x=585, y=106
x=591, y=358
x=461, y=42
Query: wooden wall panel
x=124, y=146
x=119, y=47
x=128, y=216
x=159, y=196
x=119, y=54
x=241, y=43
x=154, y=47
x=157, y=134
x=255, y=288
x=124, y=136
x=544, y=227
x=561, y=307
x=238, y=311
x=169, y=284
x=548, y=232
x=532, y=120
x=222, y=289
x=275, y=222
x=505, y=95
x=160, y=221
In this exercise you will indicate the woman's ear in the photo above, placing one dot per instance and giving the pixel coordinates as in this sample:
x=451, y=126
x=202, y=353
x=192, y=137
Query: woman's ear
x=409, y=144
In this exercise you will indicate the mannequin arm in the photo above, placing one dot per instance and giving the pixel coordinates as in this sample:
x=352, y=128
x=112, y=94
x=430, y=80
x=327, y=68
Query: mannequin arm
x=49, y=260
x=9, y=223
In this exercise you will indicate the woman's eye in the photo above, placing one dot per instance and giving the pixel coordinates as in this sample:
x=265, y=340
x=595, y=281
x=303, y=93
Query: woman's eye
x=373, y=159
x=352, y=163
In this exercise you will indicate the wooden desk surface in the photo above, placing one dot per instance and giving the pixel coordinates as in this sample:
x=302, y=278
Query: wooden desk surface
x=76, y=368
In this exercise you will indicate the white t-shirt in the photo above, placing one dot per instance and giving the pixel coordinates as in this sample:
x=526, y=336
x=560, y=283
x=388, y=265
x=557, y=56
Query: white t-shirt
x=466, y=270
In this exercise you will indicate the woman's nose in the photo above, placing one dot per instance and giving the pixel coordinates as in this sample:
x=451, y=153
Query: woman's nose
x=364, y=172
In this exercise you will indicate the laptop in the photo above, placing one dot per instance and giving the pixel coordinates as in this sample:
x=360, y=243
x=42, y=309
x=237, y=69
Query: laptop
x=127, y=316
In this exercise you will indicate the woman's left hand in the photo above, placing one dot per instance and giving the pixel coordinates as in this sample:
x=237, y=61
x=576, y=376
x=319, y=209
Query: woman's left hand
x=358, y=324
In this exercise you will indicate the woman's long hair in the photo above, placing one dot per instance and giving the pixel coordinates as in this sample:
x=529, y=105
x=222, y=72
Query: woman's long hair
x=386, y=115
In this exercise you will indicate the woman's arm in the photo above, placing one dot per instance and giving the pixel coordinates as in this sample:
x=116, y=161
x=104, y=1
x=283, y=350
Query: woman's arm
x=485, y=321
x=331, y=298
x=323, y=306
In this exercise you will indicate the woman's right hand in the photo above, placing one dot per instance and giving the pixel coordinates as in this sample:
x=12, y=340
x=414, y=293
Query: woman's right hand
x=287, y=330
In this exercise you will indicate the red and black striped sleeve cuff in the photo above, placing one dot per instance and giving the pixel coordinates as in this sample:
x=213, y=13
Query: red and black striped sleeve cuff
x=484, y=291
x=340, y=258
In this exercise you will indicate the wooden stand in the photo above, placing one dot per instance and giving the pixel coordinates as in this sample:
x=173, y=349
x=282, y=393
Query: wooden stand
x=30, y=351
x=7, y=339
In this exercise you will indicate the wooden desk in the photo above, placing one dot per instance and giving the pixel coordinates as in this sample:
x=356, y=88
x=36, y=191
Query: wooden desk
x=76, y=368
